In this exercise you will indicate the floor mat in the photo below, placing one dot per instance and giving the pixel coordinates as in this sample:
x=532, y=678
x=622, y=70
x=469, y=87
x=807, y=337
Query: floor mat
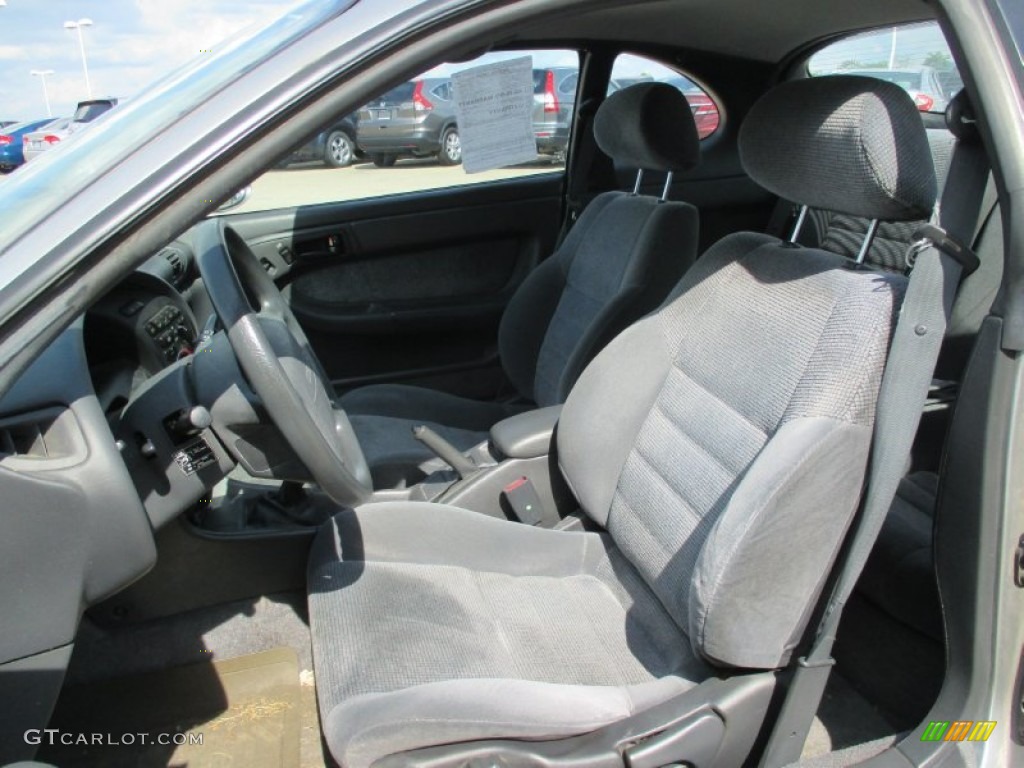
x=844, y=719
x=239, y=712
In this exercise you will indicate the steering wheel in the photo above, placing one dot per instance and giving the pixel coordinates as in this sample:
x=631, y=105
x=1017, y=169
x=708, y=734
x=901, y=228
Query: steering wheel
x=279, y=363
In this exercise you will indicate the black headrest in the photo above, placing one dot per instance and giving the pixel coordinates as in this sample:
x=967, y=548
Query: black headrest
x=848, y=144
x=960, y=118
x=648, y=126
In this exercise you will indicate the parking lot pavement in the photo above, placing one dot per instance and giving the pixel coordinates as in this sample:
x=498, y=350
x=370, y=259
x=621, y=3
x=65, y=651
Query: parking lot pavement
x=309, y=185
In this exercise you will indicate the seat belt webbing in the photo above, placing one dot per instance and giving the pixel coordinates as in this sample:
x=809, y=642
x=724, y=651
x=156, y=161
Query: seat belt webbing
x=916, y=341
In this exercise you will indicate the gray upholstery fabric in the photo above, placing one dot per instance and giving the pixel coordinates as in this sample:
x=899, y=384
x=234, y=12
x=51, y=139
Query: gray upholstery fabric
x=383, y=416
x=624, y=261
x=766, y=352
x=401, y=401
x=649, y=126
x=484, y=627
x=865, y=131
x=899, y=576
x=618, y=263
x=772, y=514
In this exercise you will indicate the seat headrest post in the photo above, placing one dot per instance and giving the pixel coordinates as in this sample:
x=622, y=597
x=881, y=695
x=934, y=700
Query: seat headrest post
x=800, y=219
x=869, y=238
x=668, y=183
x=843, y=143
x=639, y=179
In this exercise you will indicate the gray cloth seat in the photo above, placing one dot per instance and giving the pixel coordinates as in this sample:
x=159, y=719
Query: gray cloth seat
x=719, y=443
x=383, y=417
x=487, y=644
x=618, y=263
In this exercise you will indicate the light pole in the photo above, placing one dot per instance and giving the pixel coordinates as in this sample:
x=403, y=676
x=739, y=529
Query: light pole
x=81, y=45
x=42, y=75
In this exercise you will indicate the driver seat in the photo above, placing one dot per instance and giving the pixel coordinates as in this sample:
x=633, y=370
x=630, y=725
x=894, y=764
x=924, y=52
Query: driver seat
x=618, y=263
x=719, y=446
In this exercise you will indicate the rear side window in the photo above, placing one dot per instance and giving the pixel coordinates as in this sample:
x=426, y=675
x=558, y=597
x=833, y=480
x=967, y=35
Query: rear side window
x=630, y=69
x=915, y=57
x=398, y=95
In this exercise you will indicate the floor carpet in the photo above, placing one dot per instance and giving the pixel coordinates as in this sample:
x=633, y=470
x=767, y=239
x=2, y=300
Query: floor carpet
x=245, y=711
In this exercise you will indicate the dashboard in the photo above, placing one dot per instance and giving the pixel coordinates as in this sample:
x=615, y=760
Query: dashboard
x=144, y=324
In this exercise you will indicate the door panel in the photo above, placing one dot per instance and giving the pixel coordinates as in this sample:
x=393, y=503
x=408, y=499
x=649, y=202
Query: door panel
x=410, y=287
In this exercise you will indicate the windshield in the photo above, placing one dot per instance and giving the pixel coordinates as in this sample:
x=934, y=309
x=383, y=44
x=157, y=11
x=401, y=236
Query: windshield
x=57, y=176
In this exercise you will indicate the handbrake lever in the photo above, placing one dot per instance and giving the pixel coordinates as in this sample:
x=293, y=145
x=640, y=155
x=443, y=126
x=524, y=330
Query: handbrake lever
x=444, y=450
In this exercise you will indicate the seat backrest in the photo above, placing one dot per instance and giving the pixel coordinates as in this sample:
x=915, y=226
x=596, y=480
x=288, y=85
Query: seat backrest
x=723, y=440
x=618, y=262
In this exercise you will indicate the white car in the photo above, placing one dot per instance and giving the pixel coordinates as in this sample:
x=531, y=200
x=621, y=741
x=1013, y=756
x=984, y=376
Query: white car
x=87, y=111
x=37, y=142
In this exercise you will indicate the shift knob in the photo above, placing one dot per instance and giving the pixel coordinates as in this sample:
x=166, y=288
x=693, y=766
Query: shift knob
x=191, y=421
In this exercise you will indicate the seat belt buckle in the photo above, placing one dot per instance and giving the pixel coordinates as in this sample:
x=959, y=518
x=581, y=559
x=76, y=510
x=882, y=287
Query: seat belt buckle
x=929, y=234
x=523, y=499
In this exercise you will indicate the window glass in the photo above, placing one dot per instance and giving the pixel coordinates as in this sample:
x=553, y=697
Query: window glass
x=630, y=69
x=407, y=140
x=914, y=56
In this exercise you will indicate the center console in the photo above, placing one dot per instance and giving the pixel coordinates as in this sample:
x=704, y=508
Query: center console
x=519, y=479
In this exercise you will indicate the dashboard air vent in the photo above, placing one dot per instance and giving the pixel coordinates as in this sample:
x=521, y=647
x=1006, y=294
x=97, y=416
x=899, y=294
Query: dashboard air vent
x=177, y=262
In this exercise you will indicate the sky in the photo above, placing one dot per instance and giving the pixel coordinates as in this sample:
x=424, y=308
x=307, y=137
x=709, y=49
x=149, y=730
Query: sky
x=131, y=43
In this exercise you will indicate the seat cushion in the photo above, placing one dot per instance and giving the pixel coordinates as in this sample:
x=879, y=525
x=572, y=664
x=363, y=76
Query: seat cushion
x=490, y=628
x=383, y=417
x=401, y=401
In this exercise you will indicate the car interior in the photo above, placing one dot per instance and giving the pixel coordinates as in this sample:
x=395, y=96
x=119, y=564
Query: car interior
x=560, y=469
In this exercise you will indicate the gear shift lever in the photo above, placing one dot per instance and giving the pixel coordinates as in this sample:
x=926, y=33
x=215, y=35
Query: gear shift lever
x=444, y=450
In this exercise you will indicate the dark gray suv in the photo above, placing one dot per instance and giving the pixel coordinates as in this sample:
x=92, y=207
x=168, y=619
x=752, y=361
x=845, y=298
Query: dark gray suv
x=554, y=98
x=416, y=119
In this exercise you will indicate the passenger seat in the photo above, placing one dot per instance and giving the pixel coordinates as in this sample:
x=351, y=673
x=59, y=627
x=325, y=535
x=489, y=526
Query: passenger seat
x=618, y=263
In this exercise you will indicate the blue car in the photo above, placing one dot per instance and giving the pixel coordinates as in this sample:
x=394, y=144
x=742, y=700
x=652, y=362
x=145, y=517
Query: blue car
x=11, y=155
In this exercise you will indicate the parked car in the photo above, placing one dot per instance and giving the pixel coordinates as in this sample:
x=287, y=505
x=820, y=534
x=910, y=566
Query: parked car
x=85, y=113
x=36, y=142
x=335, y=146
x=554, y=99
x=930, y=92
x=88, y=111
x=11, y=152
x=705, y=111
x=415, y=119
